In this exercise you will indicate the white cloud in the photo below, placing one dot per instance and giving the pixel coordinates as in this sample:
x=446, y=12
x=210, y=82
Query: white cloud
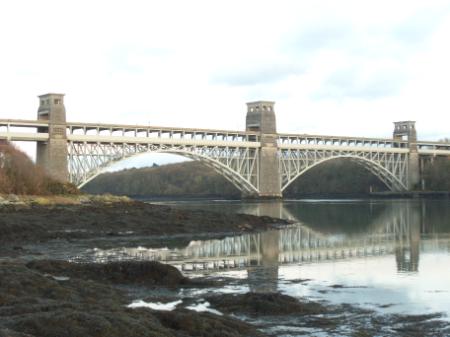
x=330, y=66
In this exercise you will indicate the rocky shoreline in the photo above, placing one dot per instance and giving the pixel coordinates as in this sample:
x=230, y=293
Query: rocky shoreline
x=100, y=220
x=42, y=297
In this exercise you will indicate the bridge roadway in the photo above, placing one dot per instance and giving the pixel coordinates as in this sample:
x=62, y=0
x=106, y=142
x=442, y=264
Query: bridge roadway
x=142, y=134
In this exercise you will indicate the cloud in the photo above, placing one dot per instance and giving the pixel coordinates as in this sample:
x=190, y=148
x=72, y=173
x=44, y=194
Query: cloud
x=136, y=59
x=365, y=37
x=189, y=64
x=354, y=83
x=417, y=29
x=319, y=36
x=256, y=74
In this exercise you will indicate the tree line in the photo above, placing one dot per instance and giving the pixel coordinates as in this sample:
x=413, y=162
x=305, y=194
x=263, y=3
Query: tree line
x=180, y=179
x=339, y=176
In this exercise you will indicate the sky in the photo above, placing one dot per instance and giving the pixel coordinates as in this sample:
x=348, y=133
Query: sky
x=332, y=67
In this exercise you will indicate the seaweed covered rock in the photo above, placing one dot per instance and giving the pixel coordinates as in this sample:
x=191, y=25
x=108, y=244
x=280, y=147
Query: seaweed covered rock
x=206, y=324
x=11, y=333
x=36, y=303
x=42, y=305
x=148, y=273
x=100, y=218
x=256, y=304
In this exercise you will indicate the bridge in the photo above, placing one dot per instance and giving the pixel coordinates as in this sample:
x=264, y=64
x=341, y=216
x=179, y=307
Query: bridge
x=259, y=161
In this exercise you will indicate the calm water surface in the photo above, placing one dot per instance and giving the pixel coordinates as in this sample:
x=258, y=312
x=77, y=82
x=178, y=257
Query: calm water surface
x=388, y=255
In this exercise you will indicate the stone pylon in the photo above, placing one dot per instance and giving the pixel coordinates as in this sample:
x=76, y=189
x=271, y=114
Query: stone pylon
x=406, y=130
x=261, y=118
x=52, y=155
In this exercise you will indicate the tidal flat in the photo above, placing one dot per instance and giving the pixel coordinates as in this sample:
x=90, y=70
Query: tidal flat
x=48, y=286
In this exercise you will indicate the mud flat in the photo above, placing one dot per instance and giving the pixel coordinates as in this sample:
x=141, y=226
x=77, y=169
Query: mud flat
x=42, y=297
x=57, y=298
x=34, y=302
x=31, y=222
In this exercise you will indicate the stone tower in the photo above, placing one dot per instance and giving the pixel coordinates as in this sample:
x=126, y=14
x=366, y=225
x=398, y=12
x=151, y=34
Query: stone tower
x=51, y=155
x=406, y=130
x=261, y=118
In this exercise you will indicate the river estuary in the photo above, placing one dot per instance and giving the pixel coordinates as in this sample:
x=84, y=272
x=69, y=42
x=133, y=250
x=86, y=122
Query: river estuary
x=386, y=256
x=393, y=255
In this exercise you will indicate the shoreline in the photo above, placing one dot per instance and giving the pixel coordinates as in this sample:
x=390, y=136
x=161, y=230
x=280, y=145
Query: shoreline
x=34, y=219
x=307, y=196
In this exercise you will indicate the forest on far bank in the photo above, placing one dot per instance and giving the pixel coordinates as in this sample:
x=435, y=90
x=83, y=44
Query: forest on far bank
x=339, y=176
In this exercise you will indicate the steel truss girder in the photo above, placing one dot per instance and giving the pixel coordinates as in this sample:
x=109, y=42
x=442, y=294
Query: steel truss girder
x=391, y=168
x=237, y=164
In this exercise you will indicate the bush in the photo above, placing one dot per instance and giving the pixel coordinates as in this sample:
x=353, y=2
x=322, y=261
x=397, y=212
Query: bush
x=19, y=175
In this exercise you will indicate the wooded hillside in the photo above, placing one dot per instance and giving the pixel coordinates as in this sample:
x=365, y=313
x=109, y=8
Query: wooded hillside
x=195, y=179
x=19, y=175
x=188, y=178
x=338, y=176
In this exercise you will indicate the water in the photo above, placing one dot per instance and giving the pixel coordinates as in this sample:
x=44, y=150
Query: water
x=392, y=256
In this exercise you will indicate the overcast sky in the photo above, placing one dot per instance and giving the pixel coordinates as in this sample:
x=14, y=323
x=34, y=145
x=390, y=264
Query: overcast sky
x=333, y=67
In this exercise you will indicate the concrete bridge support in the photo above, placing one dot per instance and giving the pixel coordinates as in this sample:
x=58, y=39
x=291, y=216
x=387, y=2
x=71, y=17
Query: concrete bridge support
x=406, y=130
x=261, y=118
x=52, y=154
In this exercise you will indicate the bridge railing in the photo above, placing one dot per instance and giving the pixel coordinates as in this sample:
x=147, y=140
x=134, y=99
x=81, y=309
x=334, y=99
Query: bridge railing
x=19, y=123
x=10, y=127
x=287, y=140
x=433, y=147
x=137, y=131
x=16, y=129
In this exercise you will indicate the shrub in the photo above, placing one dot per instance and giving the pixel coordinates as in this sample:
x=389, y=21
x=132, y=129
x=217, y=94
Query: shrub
x=19, y=175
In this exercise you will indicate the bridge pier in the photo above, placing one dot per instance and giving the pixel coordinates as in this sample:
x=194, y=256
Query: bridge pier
x=52, y=154
x=406, y=130
x=261, y=118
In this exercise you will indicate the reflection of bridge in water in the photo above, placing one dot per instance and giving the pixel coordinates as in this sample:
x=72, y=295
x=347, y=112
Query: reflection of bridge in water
x=395, y=231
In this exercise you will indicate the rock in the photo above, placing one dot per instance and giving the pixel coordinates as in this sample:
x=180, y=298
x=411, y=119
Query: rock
x=206, y=324
x=41, y=223
x=13, y=198
x=88, y=322
x=257, y=304
x=148, y=273
x=83, y=199
x=10, y=333
x=33, y=304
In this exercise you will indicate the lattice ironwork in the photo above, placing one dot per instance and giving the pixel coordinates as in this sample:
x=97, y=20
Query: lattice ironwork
x=238, y=164
x=390, y=167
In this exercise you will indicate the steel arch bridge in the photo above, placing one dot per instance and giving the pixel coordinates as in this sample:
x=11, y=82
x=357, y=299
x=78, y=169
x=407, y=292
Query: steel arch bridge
x=237, y=163
x=390, y=167
x=260, y=161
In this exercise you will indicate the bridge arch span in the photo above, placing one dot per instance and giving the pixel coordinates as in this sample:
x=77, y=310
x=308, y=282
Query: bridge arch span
x=85, y=168
x=384, y=172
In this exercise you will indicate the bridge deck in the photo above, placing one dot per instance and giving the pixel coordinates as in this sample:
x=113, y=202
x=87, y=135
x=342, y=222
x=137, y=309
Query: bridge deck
x=72, y=126
x=142, y=134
